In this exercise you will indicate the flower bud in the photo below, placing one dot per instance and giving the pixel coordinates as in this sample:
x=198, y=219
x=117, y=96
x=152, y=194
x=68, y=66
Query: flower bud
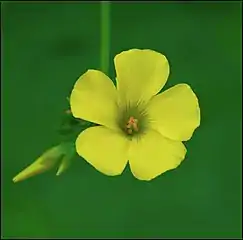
x=63, y=152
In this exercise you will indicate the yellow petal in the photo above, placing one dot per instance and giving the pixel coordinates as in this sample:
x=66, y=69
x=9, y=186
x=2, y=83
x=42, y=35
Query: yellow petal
x=94, y=98
x=175, y=113
x=104, y=149
x=153, y=155
x=140, y=74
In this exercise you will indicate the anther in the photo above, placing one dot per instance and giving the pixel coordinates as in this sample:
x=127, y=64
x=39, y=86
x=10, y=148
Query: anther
x=132, y=125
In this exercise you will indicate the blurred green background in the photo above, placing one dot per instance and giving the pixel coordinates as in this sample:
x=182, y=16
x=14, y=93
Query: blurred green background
x=47, y=46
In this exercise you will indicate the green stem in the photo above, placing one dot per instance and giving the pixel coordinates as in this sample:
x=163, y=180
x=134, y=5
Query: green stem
x=105, y=36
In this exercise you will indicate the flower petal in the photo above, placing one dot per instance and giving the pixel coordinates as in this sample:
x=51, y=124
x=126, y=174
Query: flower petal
x=175, y=113
x=140, y=74
x=94, y=98
x=153, y=155
x=104, y=149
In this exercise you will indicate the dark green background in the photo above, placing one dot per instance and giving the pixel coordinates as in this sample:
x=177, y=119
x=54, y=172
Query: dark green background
x=46, y=47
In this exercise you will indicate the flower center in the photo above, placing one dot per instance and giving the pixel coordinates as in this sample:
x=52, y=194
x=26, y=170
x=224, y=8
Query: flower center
x=132, y=125
x=133, y=120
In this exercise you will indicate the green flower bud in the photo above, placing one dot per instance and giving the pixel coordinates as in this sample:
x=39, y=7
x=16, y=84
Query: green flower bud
x=62, y=154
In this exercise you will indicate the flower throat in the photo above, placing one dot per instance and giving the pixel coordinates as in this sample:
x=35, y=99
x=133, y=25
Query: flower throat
x=133, y=120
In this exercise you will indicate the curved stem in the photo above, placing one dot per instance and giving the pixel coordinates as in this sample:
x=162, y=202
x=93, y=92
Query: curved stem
x=105, y=36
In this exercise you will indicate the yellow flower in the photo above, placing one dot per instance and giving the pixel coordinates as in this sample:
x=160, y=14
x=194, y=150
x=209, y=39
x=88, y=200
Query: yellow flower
x=136, y=125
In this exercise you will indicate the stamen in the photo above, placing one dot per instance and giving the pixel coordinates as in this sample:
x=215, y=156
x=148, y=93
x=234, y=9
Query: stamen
x=133, y=120
x=129, y=131
x=132, y=125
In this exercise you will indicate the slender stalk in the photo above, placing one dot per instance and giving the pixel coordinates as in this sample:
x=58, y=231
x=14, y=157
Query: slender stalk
x=105, y=36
